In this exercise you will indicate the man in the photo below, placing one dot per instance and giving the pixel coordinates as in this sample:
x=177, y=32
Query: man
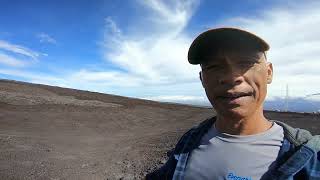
x=239, y=143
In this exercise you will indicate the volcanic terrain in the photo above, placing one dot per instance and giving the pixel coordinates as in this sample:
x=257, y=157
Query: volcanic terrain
x=57, y=133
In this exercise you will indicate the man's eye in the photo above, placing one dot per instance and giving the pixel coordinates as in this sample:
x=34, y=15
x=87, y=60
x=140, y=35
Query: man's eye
x=246, y=64
x=212, y=67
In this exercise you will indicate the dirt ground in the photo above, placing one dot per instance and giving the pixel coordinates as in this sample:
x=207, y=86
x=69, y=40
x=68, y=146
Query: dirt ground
x=57, y=133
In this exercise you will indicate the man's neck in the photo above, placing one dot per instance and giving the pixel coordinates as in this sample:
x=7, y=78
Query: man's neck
x=254, y=124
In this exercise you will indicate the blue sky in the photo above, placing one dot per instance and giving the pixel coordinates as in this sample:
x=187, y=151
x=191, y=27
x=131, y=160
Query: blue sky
x=138, y=48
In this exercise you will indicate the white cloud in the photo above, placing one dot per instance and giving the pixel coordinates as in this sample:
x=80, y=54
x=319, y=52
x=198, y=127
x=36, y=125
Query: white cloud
x=159, y=57
x=13, y=48
x=295, y=45
x=39, y=78
x=10, y=61
x=151, y=62
x=176, y=98
x=170, y=17
x=17, y=56
x=64, y=80
x=183, y=99
x=110, y=78
x=45, y=38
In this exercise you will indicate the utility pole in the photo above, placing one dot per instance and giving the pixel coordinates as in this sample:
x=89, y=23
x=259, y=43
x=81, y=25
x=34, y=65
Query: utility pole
x=287, y=99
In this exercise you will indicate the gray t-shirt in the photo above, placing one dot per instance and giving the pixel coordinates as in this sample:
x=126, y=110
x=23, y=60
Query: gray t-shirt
x=222, y=156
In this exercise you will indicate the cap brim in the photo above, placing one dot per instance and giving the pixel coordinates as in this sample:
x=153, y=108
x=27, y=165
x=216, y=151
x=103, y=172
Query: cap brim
x=212, y=39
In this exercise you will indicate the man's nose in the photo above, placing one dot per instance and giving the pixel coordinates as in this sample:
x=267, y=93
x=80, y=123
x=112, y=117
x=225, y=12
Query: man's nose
x=232, y=76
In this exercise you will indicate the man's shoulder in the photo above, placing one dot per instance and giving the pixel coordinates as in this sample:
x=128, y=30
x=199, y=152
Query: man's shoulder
x=298, y=136
x=314, y=143
x=191, y=138
x=185, y=144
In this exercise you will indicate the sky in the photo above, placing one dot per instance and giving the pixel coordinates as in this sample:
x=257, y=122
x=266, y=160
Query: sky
x=138, y=48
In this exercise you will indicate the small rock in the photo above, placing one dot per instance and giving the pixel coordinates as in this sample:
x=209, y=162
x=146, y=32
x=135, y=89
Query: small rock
x=84, y=165
x=163, y=161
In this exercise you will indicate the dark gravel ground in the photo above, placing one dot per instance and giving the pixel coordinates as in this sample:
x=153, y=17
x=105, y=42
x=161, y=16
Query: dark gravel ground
x=58, y=133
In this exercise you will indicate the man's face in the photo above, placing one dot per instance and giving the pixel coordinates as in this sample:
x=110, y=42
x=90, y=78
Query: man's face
x=236, y=81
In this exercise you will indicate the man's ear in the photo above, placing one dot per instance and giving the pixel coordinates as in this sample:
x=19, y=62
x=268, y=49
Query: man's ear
x=269, y=72
x=201, y=79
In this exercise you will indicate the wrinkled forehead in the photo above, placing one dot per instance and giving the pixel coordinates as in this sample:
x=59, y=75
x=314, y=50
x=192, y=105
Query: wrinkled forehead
x=236, y=54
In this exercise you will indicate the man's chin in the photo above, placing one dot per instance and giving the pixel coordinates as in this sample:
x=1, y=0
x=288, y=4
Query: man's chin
x=233, y=112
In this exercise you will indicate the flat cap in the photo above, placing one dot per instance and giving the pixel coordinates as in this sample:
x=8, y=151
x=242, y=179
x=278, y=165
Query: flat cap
x=214, y=39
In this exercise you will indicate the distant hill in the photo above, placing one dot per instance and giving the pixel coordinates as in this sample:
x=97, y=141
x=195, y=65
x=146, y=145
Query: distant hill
x=294, y=105
x=278, y=104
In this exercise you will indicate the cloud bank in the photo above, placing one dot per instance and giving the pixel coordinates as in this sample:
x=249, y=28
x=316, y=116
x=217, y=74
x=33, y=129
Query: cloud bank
x=157, y=58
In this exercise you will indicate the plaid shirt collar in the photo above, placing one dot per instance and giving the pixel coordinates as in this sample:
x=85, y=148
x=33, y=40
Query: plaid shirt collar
x=187, y=143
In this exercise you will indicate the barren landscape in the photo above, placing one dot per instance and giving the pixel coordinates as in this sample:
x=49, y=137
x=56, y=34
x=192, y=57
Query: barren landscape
x=57, y=133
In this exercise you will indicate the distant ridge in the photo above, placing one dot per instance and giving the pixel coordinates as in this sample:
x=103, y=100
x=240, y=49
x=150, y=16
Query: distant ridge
x=100, y=93
x=296, y=105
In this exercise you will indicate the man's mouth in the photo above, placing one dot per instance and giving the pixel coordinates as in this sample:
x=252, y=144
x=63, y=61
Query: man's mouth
x=235, y=95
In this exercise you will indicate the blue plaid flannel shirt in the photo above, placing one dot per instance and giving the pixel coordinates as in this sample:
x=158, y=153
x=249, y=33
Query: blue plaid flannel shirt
x=299, y=156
